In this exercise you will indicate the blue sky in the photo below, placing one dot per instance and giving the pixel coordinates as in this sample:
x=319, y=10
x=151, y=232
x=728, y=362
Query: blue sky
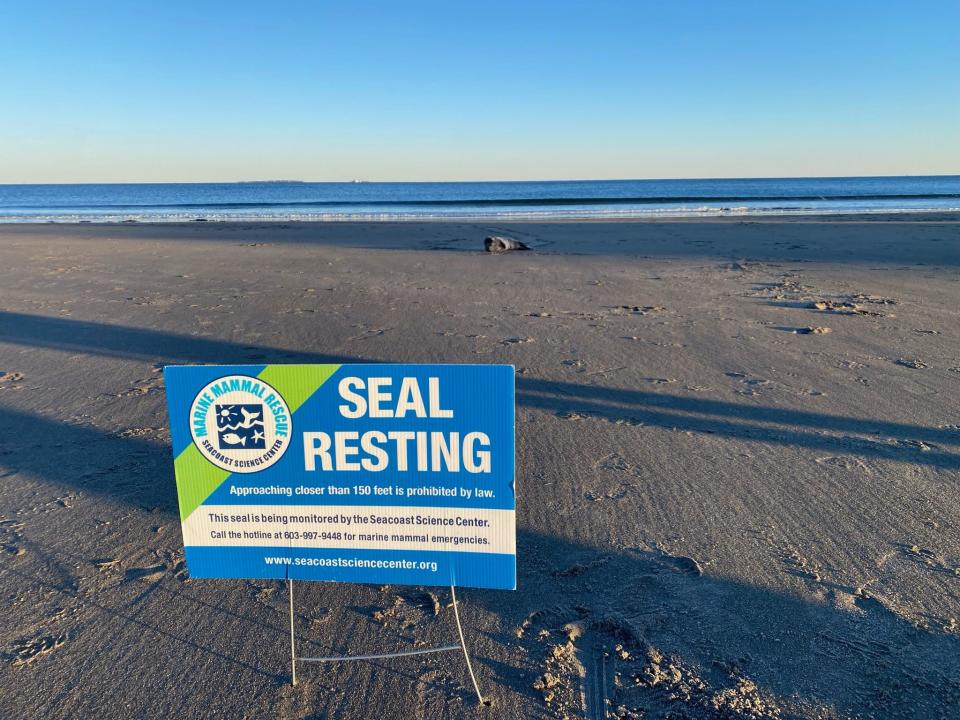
x=205, y=91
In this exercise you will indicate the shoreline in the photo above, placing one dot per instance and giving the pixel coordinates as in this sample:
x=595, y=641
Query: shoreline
x=904, y=216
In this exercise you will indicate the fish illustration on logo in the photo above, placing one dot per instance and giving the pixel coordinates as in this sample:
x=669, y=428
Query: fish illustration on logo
x=233, y=439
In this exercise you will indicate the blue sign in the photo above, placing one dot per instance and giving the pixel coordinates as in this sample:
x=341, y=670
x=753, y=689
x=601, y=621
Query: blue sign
x=387, y=474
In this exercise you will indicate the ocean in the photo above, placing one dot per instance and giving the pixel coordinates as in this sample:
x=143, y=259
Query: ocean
x=560, y=200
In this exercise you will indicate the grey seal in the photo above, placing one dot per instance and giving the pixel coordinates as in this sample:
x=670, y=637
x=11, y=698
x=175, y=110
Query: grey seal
x=498, y=244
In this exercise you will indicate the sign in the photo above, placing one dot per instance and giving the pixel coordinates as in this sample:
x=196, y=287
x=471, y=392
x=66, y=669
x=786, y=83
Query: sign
x=388, y=474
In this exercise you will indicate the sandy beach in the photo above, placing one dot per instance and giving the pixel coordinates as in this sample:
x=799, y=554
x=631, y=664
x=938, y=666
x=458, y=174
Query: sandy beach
x=738, y=457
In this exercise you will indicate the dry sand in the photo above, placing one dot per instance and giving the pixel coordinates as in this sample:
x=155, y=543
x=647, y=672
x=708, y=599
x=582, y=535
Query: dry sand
x=724, y=511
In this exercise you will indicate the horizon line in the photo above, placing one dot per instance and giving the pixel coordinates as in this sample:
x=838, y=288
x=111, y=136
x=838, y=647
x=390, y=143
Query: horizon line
x=453, y=182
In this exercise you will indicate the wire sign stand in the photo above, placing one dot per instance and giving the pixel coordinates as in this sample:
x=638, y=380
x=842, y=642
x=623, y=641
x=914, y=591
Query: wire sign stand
x=404, y=653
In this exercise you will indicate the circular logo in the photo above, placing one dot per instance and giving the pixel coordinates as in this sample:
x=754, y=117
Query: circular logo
x=240, y=424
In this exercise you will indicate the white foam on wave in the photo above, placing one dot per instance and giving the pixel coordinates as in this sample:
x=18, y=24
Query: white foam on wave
x=610, y=213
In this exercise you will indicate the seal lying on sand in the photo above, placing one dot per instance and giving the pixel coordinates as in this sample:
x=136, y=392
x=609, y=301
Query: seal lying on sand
x=497, y=244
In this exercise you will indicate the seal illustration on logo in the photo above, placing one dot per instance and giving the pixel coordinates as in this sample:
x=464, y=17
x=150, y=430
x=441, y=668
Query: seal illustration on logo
x=240, y=423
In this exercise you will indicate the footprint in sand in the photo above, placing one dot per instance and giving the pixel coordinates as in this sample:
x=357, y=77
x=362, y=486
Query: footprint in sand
x=408, y=609
x=579, y=568
x=681, y=564
x=929, y=559
x=642, y=309
x=149, y=386
x=31, y=650
x=319, y=616
x=438, y=693
x=916, y=445
x=153, y=573
x=845, y=462
x=266, y=595
x=573, y=415
x=10, y=537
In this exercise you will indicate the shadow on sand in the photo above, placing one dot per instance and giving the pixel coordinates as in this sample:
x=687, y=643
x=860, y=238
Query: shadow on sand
x=818, y=431
x=846, y=650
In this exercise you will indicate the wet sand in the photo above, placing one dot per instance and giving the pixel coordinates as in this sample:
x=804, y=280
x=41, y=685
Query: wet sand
x=738, y=461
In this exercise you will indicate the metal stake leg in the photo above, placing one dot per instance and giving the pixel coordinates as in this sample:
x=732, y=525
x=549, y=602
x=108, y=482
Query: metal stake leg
x=463, y=644
x=456, y=617
x=293, y=647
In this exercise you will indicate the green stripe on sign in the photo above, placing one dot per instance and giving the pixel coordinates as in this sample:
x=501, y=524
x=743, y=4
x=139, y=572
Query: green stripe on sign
x=197, y=477
x=297, y=382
